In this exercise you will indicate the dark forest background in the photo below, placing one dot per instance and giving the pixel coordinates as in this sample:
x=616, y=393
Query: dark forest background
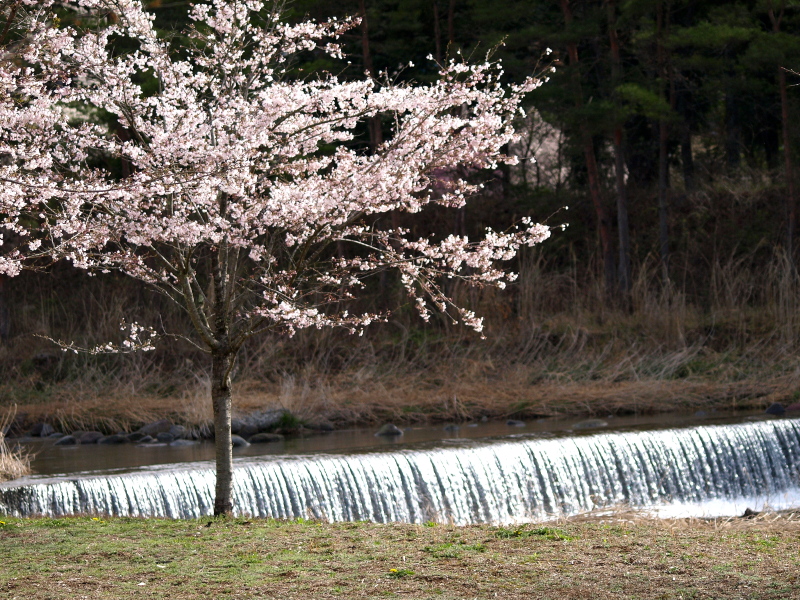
x=669, y=128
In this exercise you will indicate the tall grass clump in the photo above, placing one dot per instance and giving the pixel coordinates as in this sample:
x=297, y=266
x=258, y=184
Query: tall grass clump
x=13, y=463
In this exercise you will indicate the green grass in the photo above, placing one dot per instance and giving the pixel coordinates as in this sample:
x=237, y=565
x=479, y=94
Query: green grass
x=112, y=558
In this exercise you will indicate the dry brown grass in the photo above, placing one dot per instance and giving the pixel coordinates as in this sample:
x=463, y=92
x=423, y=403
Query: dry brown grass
x=555, y=347
x=13, y=463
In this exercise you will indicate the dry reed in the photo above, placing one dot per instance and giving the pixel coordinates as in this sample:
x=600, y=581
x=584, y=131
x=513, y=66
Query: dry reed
x=556, y=346
x=13, y=463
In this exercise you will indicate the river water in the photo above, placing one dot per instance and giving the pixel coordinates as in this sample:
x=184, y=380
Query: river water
x=487, y=472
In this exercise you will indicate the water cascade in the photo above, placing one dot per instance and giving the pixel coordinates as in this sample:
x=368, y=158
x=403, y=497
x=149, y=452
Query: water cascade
x=489, y=482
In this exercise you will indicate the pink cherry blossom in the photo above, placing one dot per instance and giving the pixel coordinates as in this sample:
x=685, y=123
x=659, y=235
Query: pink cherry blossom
x=228, y=206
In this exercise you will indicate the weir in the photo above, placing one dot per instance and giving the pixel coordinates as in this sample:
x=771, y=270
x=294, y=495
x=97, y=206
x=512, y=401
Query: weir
x=503, y=481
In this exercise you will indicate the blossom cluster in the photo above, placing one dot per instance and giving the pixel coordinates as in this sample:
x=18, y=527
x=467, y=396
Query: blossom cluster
x=225, y=157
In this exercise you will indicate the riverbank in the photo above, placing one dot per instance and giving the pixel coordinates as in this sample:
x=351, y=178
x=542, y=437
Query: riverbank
x=405, y=399
x=617, y=556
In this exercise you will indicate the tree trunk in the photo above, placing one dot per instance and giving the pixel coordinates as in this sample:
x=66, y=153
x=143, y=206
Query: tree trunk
x=622, y=215
x=663, y=209
x=603, y=222
x=790, y=203
x=451, y=28
x=619, y=163
x=374, y=123
x=5, y=321
x=665, y=73
x=687, y=159
x=221, y=362
x=223, y=355
x=437, y=33
x=733, y=136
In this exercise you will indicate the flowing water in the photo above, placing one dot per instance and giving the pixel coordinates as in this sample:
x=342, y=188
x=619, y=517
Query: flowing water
x=468, y=481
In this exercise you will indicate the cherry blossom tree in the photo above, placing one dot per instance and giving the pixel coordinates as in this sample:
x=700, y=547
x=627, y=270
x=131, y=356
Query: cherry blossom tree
x=243, y=179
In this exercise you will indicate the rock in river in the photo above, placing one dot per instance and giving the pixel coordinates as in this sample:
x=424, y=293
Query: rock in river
x=389, y=430
x=156, y=427
x=266, y=438
x=776, y=409
x=113, y=439
x=67, y=440
x=590, y=424
x=90, y=437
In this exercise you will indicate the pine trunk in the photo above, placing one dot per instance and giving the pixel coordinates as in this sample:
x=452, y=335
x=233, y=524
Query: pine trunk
x=622, y=216
x=665, y=73
x=663, y=209
x=790, y=204
x=603, y=222
x=624, y=272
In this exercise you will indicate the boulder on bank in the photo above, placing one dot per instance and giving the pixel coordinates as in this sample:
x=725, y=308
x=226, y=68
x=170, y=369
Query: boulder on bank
x=136, y=436
x=590, y=424
x=178, y=432
x=165, y=437
x=41, y=430
x=90, y=437
x=321, y=425
x=182, y=442
x=265, y=420
x=793, y=407
x=68, y=440
x=776, y=409
x=113, y=439
x=389, y=430
x=266, y=438
x=156, y=427
x=247, y=430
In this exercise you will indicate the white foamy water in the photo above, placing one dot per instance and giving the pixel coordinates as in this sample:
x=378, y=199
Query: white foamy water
x=699, y=471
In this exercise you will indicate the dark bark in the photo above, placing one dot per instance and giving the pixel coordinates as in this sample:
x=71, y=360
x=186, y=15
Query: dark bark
x=222, y=361
x=437, y=32
x=224, y=263
x=5, y=321
x=662, y=31
x=687, y=159
x=451, y=28
x=790, y=202
x=663, y=208
x=683, y=101
x=624, y=270
x=460, y=221
x=603, y=221
x=12, y=15
x=374, y=123
x=733, y=141
x=622, y=215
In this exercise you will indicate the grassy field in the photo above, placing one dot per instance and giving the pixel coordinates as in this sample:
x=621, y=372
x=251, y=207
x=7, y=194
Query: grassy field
x=621, y=557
